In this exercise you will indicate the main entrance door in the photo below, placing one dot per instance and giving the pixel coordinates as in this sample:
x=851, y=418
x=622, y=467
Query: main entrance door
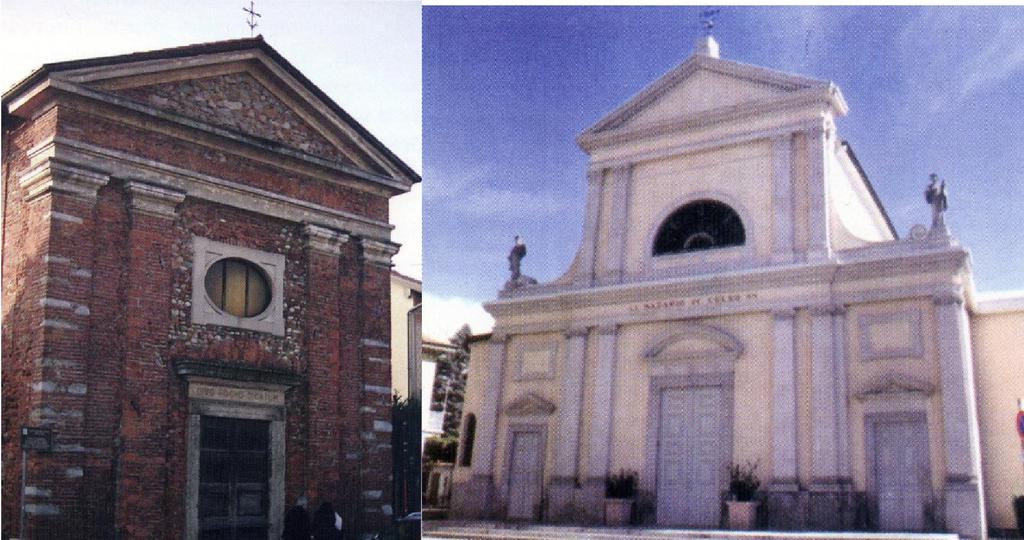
x=234, y=467
x=525, y=475
x=690, y=456
x=902, y=473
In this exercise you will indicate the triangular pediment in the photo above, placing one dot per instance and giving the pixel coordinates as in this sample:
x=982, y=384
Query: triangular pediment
x=240, y=102
x=695, y=342
x=530, y=404
x=242, y=87
x=702, y=86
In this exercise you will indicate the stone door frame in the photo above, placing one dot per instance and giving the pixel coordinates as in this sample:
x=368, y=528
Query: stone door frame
x=230, y=391
x=724, y=381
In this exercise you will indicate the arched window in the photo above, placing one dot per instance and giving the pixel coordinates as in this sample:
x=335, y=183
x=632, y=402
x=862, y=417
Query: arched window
x=699, y=225
x=468, y=434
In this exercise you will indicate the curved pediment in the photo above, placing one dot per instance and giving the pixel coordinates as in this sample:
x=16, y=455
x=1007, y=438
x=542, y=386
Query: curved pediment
x=530, y=404
x=695, y=342
x=892, y=384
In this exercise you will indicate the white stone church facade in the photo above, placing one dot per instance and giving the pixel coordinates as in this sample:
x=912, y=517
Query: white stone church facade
x=740, y=296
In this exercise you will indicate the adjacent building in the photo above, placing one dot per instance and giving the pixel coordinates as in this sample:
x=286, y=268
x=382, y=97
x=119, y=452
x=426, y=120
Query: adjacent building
x=741, y=296
x=196, y=322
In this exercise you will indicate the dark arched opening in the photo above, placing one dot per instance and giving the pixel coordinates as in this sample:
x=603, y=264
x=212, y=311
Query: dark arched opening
x=699, y=225
x=468, y=434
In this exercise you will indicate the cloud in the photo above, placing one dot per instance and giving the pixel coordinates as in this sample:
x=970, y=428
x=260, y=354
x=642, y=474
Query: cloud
x=406, y=213
x=443, y=316
x=950, y=55
x=468, y=191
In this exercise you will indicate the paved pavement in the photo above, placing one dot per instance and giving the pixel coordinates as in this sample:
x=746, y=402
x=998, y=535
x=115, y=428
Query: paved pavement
x=488, y=530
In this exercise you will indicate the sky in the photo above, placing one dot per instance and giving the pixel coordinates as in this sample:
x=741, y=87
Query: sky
x=506, y=91
x=364, y=55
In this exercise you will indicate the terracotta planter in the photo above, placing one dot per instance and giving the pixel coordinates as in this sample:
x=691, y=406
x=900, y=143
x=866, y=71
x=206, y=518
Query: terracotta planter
x=617, y=512
x=742, y=514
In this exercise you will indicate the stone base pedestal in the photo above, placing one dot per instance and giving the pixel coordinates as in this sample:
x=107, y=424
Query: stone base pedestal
x=591, y=501
x=474, y=499
x=561, y=500
x=823, y=508
x=964, y=512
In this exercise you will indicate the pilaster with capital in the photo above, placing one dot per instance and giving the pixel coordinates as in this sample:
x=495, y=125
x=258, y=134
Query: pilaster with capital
x=591, y=221
x=818, y=243
x=828, y=405
x=964, y=510
x=617, y=225
x=784, y=402
x=567, y=436
x=144, y=434
x=782, y=198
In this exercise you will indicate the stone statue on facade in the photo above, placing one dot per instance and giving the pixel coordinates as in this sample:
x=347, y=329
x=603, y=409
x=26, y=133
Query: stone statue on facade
x=515, y=260
x=935, y=195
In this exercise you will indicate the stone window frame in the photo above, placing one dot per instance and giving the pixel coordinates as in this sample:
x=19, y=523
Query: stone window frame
x=726, y=258
x=231, y=391
x=915, y=349
x=205, y=253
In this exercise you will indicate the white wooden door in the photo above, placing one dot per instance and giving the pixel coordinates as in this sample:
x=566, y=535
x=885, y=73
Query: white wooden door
x=525, y=475
x=690, y=464
x=902, y=474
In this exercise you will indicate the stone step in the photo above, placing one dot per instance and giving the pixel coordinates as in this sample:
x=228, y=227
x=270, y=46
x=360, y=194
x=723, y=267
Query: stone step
x=489, y=531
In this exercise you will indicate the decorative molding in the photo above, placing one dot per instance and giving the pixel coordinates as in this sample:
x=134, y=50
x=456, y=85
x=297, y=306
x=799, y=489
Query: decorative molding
x=55, y=176
x=948, y=298
x=700, y=262
x=153, y=200
x=576, y=331
x=529, y=404
x=396, y=185
x=205, y=253
x=893, y=384
x=783, y=313
x=724, y=346
x=377, y=252
x=324, y=239
x=826, y=309
x=913, y=349
x=88, y=157
x=527, y=350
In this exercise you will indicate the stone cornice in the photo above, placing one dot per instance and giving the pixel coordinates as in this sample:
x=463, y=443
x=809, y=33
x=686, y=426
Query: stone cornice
x=153, y=200
x=281, y=152
x=104, y=162
x=324, y=239
x=824, y=95
x=379, y=253
x=814, y=276
x=52, y=175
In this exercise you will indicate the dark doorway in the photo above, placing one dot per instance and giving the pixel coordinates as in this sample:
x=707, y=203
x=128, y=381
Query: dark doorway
x=234, y=467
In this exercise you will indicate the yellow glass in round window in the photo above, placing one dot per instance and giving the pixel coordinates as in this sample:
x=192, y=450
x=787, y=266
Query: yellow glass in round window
x=238, y=287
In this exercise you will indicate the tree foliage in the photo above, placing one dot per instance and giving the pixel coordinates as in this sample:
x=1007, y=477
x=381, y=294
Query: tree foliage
x=450, y=382
x=441, y=449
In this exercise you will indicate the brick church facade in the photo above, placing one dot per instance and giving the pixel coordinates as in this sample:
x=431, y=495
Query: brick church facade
x=196, y=264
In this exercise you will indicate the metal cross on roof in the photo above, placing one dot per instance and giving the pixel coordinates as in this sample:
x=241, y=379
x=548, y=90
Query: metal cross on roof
x=251, y=21
x=707, y=19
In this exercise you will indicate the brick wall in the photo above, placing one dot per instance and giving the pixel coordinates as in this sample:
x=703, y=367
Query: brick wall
x=97, y=309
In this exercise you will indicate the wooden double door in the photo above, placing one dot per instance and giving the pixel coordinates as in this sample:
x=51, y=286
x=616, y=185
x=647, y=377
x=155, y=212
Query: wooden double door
x=693, y=454
x=234, y=473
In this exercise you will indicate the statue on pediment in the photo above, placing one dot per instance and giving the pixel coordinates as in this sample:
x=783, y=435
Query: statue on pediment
x=515, y=260
x=935, y=195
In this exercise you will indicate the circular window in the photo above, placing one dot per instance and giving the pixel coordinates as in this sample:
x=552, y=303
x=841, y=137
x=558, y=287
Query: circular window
x=238, y=287
x=698, y=226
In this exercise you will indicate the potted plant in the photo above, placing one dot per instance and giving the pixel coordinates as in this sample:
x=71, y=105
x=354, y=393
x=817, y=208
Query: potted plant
x=620, y=491
x=743, y=486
